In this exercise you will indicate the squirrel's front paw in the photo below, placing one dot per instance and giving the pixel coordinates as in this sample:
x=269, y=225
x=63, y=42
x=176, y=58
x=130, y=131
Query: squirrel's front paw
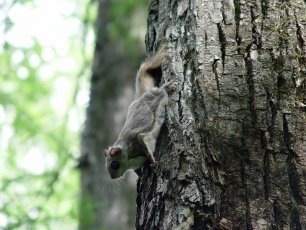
x=171, y=86
x=153, y=162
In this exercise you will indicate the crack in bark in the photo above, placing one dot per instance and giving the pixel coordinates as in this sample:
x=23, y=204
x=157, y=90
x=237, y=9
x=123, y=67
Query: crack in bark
x=204, y=220
x=301, y=41
x=206, y=39
x=295, y=222
x=203, y=132
x=264, y=8
x=222, y=40
x=180, y=106
x=251, y=86
x=237, y=22
x=274, y=111
x=256, y=36
x=278, y=66
x=283, y=30
x=248, y=221
x=292, y=158
x=277, y=215
x=266, y=165
x=146, y=217
x=215, y=72
x=222, y=12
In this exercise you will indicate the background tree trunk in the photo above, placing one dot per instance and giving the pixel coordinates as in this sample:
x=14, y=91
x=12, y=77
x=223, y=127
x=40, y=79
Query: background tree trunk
x=232, y=154
x=103, y=202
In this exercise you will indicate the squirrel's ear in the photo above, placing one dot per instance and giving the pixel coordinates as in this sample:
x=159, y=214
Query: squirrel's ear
x=115, y=151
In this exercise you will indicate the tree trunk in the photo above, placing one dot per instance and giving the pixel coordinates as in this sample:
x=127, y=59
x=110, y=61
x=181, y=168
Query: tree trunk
x=103, y=202
x=232, y=153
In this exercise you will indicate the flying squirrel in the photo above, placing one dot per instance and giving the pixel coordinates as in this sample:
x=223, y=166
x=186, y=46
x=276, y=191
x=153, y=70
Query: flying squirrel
x=146, y=114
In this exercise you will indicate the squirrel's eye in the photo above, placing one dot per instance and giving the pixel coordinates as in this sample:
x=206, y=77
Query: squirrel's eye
x=115, y=165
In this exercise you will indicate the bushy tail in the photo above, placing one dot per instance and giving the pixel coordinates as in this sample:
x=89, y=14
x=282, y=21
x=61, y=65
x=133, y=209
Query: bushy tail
x=150, y=73
x=156, y=60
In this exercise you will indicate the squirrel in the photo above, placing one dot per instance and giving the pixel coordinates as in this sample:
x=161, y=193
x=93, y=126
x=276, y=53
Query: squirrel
x=146, y=114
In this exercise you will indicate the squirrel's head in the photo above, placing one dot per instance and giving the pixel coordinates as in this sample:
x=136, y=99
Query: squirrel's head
x=116, y=161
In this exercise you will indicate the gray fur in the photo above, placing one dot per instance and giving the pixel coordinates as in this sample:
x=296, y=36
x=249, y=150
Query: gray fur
x=138, y=137
x=137, y=140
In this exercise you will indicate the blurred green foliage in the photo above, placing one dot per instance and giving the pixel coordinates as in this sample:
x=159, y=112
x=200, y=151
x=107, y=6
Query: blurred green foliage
x=43, y=95
x=42, y=101
x=127, y=22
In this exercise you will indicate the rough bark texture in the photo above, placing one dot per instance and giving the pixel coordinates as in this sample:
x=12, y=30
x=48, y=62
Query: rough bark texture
x=103, y=203
x=232, y=153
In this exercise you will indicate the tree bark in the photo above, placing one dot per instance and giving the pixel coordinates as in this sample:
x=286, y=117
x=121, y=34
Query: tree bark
x=232, y=153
